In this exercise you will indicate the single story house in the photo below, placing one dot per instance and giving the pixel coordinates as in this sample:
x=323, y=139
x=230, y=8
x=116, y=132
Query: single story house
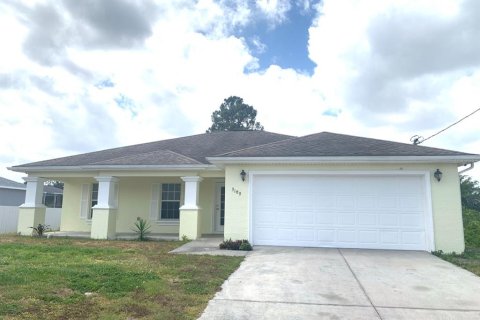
x=12, y=193
x=319, y=190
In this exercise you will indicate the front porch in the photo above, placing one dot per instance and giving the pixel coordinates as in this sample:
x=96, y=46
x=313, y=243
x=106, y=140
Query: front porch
x=107, y=206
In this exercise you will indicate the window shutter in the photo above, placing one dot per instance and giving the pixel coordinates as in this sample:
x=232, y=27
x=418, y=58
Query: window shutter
x=84, y=203
x=154, y=207
x=115, y=194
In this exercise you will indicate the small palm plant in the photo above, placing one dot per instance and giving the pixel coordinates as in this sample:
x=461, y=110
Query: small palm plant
x=40, y=229
x=142, y=229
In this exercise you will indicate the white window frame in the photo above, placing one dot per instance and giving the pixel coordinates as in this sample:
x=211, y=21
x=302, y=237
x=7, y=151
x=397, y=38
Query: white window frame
x=91, y=200
x=156, y=203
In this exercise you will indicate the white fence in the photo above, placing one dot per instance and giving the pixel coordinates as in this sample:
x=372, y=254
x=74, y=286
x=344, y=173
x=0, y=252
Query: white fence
x=9, y=218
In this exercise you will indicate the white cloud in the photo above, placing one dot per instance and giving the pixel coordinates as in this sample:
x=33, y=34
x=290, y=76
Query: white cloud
x=275, y=10
x=185, y=61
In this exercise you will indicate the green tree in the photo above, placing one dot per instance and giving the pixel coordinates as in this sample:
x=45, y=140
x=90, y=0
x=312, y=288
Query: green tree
x=470, y=191
x=233, y=115
x=54, y=183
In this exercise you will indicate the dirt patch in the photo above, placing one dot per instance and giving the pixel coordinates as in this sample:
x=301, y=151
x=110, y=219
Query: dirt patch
x=63, y=292
x=136, y=310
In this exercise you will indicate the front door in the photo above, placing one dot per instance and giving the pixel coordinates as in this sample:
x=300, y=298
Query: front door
x=219, y=207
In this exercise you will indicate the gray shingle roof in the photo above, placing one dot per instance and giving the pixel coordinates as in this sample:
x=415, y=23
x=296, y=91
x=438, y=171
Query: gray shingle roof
x=151, y=158
x=327, y=144
x=5, y=183
x=179, y=151
x=193, y=150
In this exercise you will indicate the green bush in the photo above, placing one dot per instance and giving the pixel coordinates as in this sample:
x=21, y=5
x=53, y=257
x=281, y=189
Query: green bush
x=471, y=227
x=230, y=244
x=245, y=246
x=142, y=229
x=40, y=229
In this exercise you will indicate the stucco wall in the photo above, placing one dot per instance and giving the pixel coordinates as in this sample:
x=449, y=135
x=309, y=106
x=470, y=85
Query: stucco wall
x=445, y=197
x=72, y=192
x=134, y=200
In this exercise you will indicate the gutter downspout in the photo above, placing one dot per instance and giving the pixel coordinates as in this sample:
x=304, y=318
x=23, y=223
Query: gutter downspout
x=467, y=169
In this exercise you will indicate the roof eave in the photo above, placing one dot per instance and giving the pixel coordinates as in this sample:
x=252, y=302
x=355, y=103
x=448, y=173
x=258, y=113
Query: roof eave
x=460, y=159
x=13, y=188
x=201, y=167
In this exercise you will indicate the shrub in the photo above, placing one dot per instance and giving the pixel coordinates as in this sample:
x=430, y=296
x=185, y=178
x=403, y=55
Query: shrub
x=142, y=228
x=230, y=244
x=245, y=246
x=40, y=229
x=471, y=226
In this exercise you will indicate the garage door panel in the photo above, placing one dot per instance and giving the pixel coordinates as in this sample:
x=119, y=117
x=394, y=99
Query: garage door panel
x=348, y=236
x=411, y=220
x=306, y=235
x=410, y=202
x=411, y=237
x=387, y=202
x=389, y=237
x=265, y=234
x=345, y=202
x=383, y=212
x=305, y=218
x=284, y=218
x=325, y=219
x=286, y=234
x=347, y=219
x=326, y=235
x=366, y=202
x=368, y=236
x=325, y=202
x=388, y=220
x=367, y=219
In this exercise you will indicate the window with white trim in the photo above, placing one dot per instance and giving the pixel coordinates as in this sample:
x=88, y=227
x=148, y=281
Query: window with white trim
x=170, y=201
x=93, y=199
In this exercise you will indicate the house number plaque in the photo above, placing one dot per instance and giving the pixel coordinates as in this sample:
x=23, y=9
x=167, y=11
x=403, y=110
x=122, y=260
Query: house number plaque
x=236, y=191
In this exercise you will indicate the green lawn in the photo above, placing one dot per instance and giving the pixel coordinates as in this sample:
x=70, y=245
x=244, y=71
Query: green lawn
x=470, y=259
x=48, y=279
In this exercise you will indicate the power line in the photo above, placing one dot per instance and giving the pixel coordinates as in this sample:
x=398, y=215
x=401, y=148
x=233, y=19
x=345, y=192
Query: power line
x=416, y=139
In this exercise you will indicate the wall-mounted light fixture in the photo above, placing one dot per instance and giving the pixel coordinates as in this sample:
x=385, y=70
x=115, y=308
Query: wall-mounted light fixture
x=243, y=175
x=438, y=175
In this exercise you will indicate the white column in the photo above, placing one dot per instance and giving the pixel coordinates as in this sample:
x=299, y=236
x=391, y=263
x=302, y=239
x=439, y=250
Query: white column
x=32, y=212
x=191, y=192
x=106, y=193
x=105, y=212
x=34, y=194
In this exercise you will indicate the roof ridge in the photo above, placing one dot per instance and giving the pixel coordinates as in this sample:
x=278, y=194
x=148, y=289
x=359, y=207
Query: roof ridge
x=383, y=140
x=146, y=153
x=257, y=146
x=146, y=144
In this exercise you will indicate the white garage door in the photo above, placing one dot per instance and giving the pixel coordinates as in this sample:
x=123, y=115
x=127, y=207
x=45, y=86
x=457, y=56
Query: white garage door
x=345, y=211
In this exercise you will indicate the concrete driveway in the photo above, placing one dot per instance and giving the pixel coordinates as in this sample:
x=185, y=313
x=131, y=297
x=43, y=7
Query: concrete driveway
x=317, y=283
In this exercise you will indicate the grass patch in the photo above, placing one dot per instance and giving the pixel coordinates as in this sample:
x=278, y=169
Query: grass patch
x=48, y=279
x=470, y=259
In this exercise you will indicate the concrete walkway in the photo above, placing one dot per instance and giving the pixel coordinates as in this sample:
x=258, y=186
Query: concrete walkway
x=316, y=283
x=207, y=245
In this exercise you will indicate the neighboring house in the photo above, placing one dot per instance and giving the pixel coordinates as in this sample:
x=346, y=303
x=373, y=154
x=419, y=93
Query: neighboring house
x=319, y=190
x=11, y=193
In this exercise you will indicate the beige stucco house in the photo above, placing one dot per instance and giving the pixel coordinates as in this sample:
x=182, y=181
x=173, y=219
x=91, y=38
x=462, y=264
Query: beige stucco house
x=320, y=190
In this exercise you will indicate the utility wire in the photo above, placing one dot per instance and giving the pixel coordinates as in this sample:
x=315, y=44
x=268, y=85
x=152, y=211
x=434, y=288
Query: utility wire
x=418, y=139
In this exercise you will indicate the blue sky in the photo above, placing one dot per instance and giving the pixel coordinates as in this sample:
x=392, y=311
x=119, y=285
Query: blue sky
x=284, y=44
x=78, y=76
